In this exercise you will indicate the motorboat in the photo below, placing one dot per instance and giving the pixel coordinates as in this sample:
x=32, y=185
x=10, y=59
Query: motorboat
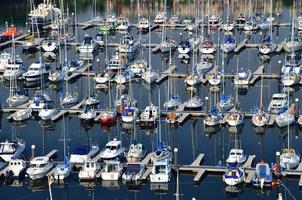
x=14, y=69
x=71, y=98
x=39, y=167
x=103, y=77
x=243, y=77
x=161, y=171
x=160, y=18
x=194, y=103
x=234, y=176
x=122, y=102
x=236, y=156
x=87, y=47
x=298, y=24
x=112, y=171
x=48, y=112
x=43, y=14
x=278, y=101
x=82, y=153
x=289, y=159
x=16, y=169
x=123, y=24
x=235, y=119
x=89, y=170
x=214, y=78
x=143, y=24
x=113, y=150
x=225, y=103
x=128, y=44
x=161, y=153
x=229, y=44
x=18, y=98
x=260, y=118
x=207, y=47
x=116, y=63
x=213, y=20
x=184, y=47
x=213, y=118
x=285, y=118
x=150, y=76
x=173, y=102
x=110, y=25
x=129, y=114
x=88, y=113
x=134, y=171
x=4, y=60
x=75, y=65
x=37, y=71
x=63, y=170
x=108, y=117
x=124, y=76
x=173, y=21
x=172, y=118
x=40, y=100
x=241, y=19
x=139, y=67
x=22, y=114
x=150, y=115
x=11, y=149
x=135, y=153
x=263, y=175
x=10, y=33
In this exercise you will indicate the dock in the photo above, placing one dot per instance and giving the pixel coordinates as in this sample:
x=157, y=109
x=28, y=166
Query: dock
x=257, y=74
x=165, y=74
x=240, y=46
x=78, y=72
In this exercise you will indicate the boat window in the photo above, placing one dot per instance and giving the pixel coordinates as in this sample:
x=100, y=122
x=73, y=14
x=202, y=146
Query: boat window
x=111, y=147
x=87, y=165
x=232, y=153
x=160, y=169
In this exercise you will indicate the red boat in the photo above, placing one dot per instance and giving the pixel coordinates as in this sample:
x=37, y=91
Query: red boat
x=108, y=117
x=9, y=34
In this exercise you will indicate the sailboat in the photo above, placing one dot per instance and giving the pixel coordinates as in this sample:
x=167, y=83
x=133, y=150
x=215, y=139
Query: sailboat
x=62, y=171
x=293, y=43
x=229, y=25
x=130, y=112
x=261, y=118
x=285, y=116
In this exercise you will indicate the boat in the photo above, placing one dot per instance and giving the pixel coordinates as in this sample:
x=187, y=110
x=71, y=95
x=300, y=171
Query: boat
x=204, y=66
x=194, y=103
x=14, y=69
x=82, y=153
x=11, y=149
x=172, y=118
x=229, y=44
x=150, y=76
x=92, y=99
x=22, y=114
x=174, y=20
x=87, y=48
x=110, y=25
x=135, y=153
x=213, y=118
x=160, y=18
x=235, y=119
x=108, y=117
x=88, y=113
x=250, y=25
x=139, y=67
x=17, y=97
x=161, y=171
x=234, y=176
x=134, y=171
x=161, y=153
x=99, y=39
x=129, y=114
x=243, y=77
x=290, y=78
x=56, y=76
x=236, y=156
x=214, y=20
x=113, y=150
x=123, y=24
x=229, y=25
x=289, y=159
x=112, y=171
x=263, y=175
x=143, y=24
x=193, y=79
x=89, y=170
x=167, y=45
x=267, y=46
x=225, y=103
x=298, y=23
x=102, y=77
x=278, y=101
x=75, y=65
x=184, y=47
x=149, y=116
x=37, y=71
x=124, y=76
x=70, y=98
x=10, y=33
x=39, y=167
x=241, y=19
x=293, y=42
x=50, y=44
x=214, y=78
x=284, y=118
x=48, y=112
x=116, y=63
x=207, y=47
x=16, y=169
x=43, y=14
x=128, y=44
x=40, y=100
x=4, y=60
x=173, y=102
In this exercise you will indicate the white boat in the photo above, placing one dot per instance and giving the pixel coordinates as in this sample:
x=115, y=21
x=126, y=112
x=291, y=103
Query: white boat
x=14, y=69
x=16, y=169
x=134, y=171
x=243, y=77
x=160, y=18
x=263, y=175
x=36, y=71
x=82, y=153
x=39, y=101
x=149, y=115
x=213, y=118
x=292, y=45
x=235, y=119
x=129, y=114
x=113, y=150
x=89, y=170
x=278, y=101
x=128, y=44
x=193, y=79
x=143, y=24
x=70, y=98
x=184, y=47
x=173, y=102
x=50, y=45
x=22, y=114
x=93, y=99
x=88, y=113
x=298, y=24
x=289, y=159
x=167, y=45
x=290, y=79
x=123, y=24
x=214, y=20
x=229, y=44
x=112, y=171
x=75, y=65
x=102, y=77
x=285, y=118
x=135, y=153
x=138, y=67
x=17, y=98
x=87, y=47
x=225, y=103
x=56, y=76
x=116, y=63
x=161, y=153
x=236, y=156
x=207, y=47
x=234, y=176
x=4, y=60
x=99, y=39
x=39, y=167
x=11, y=150
x=124, y=76
x=214, y=79
x=204, y=66
x=47, y=113
x=150, y=76
x=194, y=103
x=161, y=171
x=260, y=118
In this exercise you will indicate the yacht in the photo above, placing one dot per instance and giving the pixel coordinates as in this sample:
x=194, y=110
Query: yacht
x=108, y=117
x=16, y=169
x=160, y=18
x=184, y=47
x=56, y=76
x=236, y=156
x=293, y=44
x=174, y=20
x=128, y=44
x=22, y=114
x=116, y=63
x=48, y=112
x=123, y=24
x=87, y=47
x=129, y=114
x=113, y=150
x=161, y=171
x=75, y=65
x=139, y=67
x=150, y=76
x=267, y=46
x=298, y=24
x=50, y=44
x=173, y=102
x=135, y=153
x=134, y=171
x=11, y=150
x=167, y=45
x=207, y=47
x=193, y=79
x=39, y=167
x=284, y=118
x=161, y=153
x=88, y=113
x=143, y=24
x=82, y=153
x=263, y=175
x=103, y=77
x=18, y=98
x=99, y=39
x=278, y=101
x=124, y=76
x=204, y=66
x=243, y=77
x=289, y=159
x=110, y=25
x=172, y=118
x=4, y=60
x=89, y=170
x=40, y=100
x=71, y=98
x=290, y=78
x=260, y=118
x=214, y=20
x=149, y=116
x=214, y=78
x=37, y=71
x=112, y=170
x=194, y=103
x=92, y=99
x=14, y=69
x=234, y=176
x=241, y=19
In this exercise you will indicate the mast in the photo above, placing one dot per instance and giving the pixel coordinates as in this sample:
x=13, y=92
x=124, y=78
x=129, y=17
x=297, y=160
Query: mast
x=150, y=66
x=261, y=93
x=75, y=21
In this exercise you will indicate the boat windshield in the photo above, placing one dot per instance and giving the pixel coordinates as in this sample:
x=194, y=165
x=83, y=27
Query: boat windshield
x=111, y=147
x=112, y=168
x=160, y=169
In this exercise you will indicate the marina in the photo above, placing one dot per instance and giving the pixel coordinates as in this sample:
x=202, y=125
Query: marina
x=150, y=99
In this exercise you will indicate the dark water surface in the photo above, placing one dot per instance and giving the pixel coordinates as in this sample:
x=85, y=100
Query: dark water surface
x=191, y=139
